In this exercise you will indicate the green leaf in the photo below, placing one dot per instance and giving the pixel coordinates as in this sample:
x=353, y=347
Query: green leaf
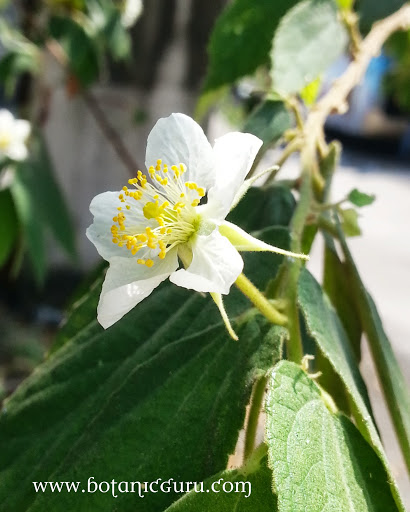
x=82, y=312
x=319, y=459
x=80, y=47
x=269, y=121
x=261, y=208
x=12, y=66
x=360, y=198
x=161, y=394
x=350, y=224
x=254, y=476
x=117, y=37
x=49, y=197
x=307, y=41
x=337, y=285
x=241, y=39
x=390, y=375
x=325, y=327
x=30, y=220
x=9, y=225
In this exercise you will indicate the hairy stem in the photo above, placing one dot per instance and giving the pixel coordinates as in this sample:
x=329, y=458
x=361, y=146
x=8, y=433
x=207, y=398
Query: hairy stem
x=260, y=301
x=253, y=418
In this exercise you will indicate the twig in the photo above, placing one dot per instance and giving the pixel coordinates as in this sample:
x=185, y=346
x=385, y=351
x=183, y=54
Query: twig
x=313, y=132
x=370, y=47
x=110, y=133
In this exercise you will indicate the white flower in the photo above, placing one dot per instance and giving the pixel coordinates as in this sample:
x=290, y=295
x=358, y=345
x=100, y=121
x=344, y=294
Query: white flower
x=145, y=231
x=132, y=10
x=13, y=136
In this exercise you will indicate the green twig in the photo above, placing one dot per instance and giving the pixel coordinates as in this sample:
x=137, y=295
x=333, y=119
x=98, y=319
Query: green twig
x=260, y=301
x=253, y=418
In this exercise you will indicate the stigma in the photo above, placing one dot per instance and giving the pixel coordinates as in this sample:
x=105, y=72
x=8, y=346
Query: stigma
x=166, y=208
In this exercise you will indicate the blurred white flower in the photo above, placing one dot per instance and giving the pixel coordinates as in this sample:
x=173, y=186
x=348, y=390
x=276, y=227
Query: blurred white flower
x=145, y=230
x=13, y=136
x=132, y=10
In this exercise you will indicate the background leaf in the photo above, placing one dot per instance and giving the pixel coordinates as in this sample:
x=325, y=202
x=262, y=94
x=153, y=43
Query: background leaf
x=234, y=50
x=268, y=121
x=360, y=198
x=9, y=225
x=319, y=459
x=31, y=222
x=79, y=46
x=309, y=36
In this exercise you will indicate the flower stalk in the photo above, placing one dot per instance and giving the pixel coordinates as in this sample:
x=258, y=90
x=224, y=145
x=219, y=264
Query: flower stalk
x=260, y=301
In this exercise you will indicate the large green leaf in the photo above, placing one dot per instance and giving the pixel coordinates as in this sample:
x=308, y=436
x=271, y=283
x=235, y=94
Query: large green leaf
x=9, y=225
x=326, y=328
x=241, y=39
x=253, y=481
x=319, y=459
x=307, y=41
x=268, y=121
x=160, y=394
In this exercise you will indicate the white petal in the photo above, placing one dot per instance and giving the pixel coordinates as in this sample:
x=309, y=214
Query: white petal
x=21, y=130
x=6, y=120
x=243, y=241
x=104, y=208
x=214, y=268
x=179, y=139
x=234, y=155
x=17, y=151
x=127, y=283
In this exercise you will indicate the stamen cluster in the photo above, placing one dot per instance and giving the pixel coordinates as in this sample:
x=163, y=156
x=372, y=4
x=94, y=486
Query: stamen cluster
x=169, y=205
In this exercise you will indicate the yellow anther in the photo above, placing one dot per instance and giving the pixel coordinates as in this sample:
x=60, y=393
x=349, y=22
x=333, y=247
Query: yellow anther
x=182, y=195
x=115, y=219
x=120, y=196
x=119, y=208
x=165, y=169
x=115, y=240
x=195, y=202
x=124, y=188
x=142, y=237
x=140, y=261
x=149, y=263
x=160, y=220
x=201, y=191
x=134, y=250
x=128, y=207
x=163, y=231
